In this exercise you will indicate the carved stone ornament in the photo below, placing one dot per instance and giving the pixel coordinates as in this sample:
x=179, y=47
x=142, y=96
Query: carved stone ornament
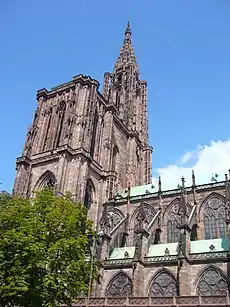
x=164, y=284
x=115, y=218
x=120, y=286
x=144, y=217
x=212, y=282
x=108, y=143
x=227, y=202
x=105, y=222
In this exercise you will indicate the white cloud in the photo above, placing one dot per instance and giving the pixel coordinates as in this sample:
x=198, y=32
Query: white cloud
x=204, y=160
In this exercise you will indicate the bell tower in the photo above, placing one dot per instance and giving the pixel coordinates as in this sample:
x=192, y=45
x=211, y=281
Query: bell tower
x=86, y=142
x=128, y=94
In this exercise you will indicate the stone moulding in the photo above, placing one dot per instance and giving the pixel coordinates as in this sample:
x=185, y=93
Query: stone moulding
x=203, y=257
x=191, y=301
x=157, y=259
x=206, y=256
x=118, y=262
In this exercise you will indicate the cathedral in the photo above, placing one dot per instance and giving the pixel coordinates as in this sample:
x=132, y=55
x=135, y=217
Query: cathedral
x=158, y=246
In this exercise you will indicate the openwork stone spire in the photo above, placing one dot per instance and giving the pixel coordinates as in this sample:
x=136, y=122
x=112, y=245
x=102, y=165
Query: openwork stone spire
x=127, y=55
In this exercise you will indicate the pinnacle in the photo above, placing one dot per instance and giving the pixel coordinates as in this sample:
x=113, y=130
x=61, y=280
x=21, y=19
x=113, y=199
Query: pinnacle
x=126, y=52
x=128, y=29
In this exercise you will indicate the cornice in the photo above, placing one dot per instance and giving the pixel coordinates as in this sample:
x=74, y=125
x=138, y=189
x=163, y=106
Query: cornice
x=83, y=80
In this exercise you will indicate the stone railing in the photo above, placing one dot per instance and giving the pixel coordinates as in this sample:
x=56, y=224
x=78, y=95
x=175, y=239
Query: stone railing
x=179, y=301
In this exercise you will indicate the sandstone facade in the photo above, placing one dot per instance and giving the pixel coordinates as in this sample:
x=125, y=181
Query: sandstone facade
x=95, y=145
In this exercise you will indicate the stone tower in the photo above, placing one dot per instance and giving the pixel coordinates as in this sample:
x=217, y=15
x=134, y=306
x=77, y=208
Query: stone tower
x=86, y=142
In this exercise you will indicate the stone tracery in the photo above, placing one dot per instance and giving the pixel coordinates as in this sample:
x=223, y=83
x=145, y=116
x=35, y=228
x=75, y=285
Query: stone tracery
x=214, y=218
x=174, y=220
x=120, y=286
x=163, y=284
x=212, y=282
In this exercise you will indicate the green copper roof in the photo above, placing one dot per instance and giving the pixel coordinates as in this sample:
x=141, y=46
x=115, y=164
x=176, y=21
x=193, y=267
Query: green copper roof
x=138, y=190
x=122, y=252
x=167, y=185
x=170, y=249
x=206, y=246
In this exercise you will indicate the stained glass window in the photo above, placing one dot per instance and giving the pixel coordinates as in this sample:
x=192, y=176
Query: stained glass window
x=212, y=282
x=214, y=218
x=164, y=284
x=120, y=285
x=174, y=220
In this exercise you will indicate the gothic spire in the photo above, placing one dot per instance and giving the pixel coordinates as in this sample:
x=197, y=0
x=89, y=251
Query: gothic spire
x=127, y=55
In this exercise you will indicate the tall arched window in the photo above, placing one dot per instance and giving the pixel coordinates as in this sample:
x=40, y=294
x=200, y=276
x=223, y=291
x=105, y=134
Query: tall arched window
x=45, y=144
x=212, y=282
x=174, y=221
x=163, y=284
x=120, y=286
x=89, y=191
x=114, y=157
x=94, y=133
x=61, y=117
x=214, y=218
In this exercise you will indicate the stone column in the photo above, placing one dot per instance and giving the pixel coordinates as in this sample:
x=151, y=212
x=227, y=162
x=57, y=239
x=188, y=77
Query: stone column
x=183, y=267
x=138, y=262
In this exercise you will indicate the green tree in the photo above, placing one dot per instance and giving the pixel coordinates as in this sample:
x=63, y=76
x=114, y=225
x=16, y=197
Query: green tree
x=43, y=250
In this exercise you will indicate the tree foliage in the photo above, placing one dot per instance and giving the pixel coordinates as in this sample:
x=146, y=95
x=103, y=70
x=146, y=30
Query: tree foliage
x=43, y=248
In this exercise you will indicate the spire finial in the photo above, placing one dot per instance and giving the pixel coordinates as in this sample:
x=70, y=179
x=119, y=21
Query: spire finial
x=183, y=181
x=193, y=179
x=159, y=184
x=128, y=29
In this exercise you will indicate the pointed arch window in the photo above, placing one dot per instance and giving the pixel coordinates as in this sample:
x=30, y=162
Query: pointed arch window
x=89, y=191
x=174, y=221
x=61, y=116
x=47, y=132
x=120, y=286
x=114, y=157
x=94, y=133
x=214, y=218
x=47, y=180
x=212, y=282
x=164, y=284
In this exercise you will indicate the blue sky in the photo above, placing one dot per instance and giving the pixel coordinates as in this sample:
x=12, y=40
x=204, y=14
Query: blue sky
x=183, y=50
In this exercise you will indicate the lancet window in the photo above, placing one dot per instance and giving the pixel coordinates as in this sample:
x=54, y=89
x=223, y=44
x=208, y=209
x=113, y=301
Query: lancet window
x=120, y=286
x=214, y=218
x=174, y=221
x=61, y=116
x=88, y=194
x=164, y=284
x=47, y=132
x=115, y=152
x=212, y=282
x=94, y=133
